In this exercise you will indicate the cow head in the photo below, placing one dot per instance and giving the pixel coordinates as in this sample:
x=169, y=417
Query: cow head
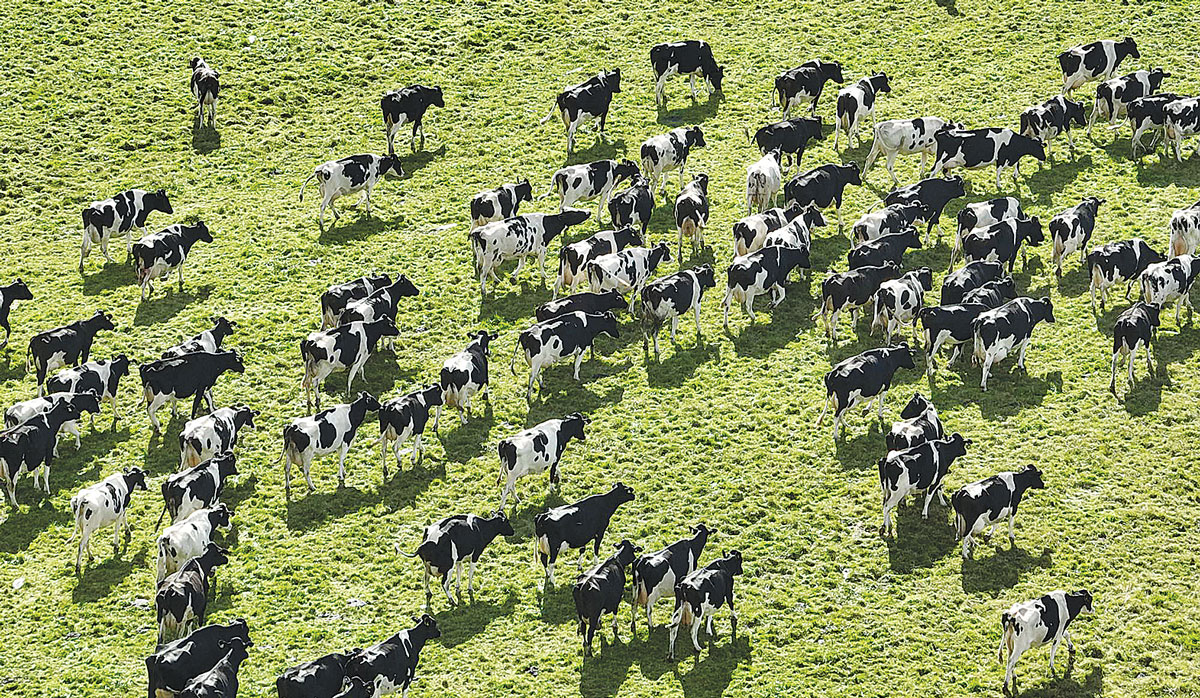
x=573, y=424
x=1152, y=313
x=575, y=216
x=482, y=339
x=731, y=562
x=792, y=257
x=624, y=169
x=158, y=201
x=523, y=191
x=851, y=174
x=405, y=288
x=195, y=63
x=1033, y=477
x=626, y=552
x=1094, y=202
x=613, y=79
x=1007, y=287
x=924, y=276
x=245, y=415
x=368, y=401
x=701, y=533
x=18, y=291
x=889, y=270
x=1157, y=75
x=426, y=626
x=120, y=366
x=915, y=407
x=102, y=320
x=1129, y=46
x=715, y=76
x=222, y=326
x=606, y=322
x=660, y=253
x=622, y=493
x=135, y=478
x=226, y=464
x=792, y=210
x=1082, y=599
x=201, y=231
x=389, y=167
x=694, y=136
x=87, y=402
x=435, y=96
x=880, y=83
x=1045, y=309
x=214, y=556
x=1031, y=230
x=220, y=516
x=1075, y=112
x=705, y=276
x=832, y=71
x=911, y=237
x=233, y=361
x=701, y=181
x=903, y=355
x=433, y=395
x=236, y=645
x=813, y=218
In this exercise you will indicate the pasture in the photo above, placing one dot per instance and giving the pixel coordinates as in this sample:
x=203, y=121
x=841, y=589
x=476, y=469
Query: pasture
x=95, y=101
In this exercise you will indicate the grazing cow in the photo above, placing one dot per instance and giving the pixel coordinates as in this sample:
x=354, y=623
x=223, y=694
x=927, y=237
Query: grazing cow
x=573, y=259
x=884, y=249
x=1095, y=61
x=465, y=374
x=691, y=213
x=343, y=347
x=392, y=664
x=758, y=273
x=689, y=58
x=517, y=238
x=933, y=193
x=182, y=598
x=600, y=590
x=1172, y=280
x=922, y=467
x=320, y=678
x=1185, y=230
x=380, y=305
x=762, y=182
x=64, y=346
x=952, y=325
x=984, y=147
x=671, y=296
x=196, y=488
x=586, y=302
x=189, y=538
x=102, y=505
x=856, y=103
x=545, y=343
x=984, y=213
x=175, y=664
x=213, y=433
x=120, y=214
x=1071, y=230
x=627, y=270
x=993, y=294
x=1009, y=327
x=750, y=233
x=335, y=300
x=356, y=173
x=851, y=290
x=956, y=286
x=633, y=207
x=1182, y=119
x=575, y=525
x=822, y=187
x=905, y=137
x=588, y=101
x=701, y=593
x=160, y=254
x=206, y=86
x=447, y=543
x=191, y=375
x=1114, y=96
x=405, y=417
x=990, y=501
x=669, y=151
x=868, y=375
x=209, y=340
x=889, y=219
x=222, y=680
x=408, y=106
x=804, y=83
x=30, y=447
x=593, y=181
x=1040, y=622
x=535, y=450
x=897, y=301
x=920, y=423
x=321, y=434
x=789, y=137
x=1146, y=113
x=499, y=203
x=99, y=377
x=657, y=573
x=24, y=411
x=1000, y=242
x=1051, y=119
x=18, y=291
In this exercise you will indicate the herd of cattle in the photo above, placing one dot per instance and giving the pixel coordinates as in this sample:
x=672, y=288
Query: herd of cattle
x=979, y=308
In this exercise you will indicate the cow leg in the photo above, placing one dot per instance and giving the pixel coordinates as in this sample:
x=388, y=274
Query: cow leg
x=1131, y=361
x=1112, y=384
x=1021, y=354
x=692, y=83
x=579, y=360
x=696, y=623
x=342, y=464
x=987, y=367
x=881, y=398
x=428, y=592
x=83, y=545
x=306, y=466
x=457, y=580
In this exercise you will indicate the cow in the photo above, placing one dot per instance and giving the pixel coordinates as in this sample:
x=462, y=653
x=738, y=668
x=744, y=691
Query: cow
x=65, y=346
x=898, y=300
x=392, y=664
x=99, y=377
x=196, y=488
x=633, y=206
x=668, y=298
x=545, y=343
x=762, y=182
x=689, y=58
x=990, y=501
x=657, y=573
x=210, y=340
x=1185, y=230
x=999, y=242
x=889, y=219
x=321, y=678
x=933, y=193
x=585, y=102
x=573, y=526
x=573, y=258
x=120, y=214
x=1182, y=119
x=905, y=137
x=591, y=182
x=883, y=249
x=222, y=680
x=750, y=233
x=405, y=417
x=691, y=213
x=669, y=151
x=993, y=294
x=758, y=273
x=408, y=106
x=628, y=270
x=984, y=213
x=701, y=594
x=600, y=590
x=822, y=187
x=1114, y=96
x=18, y=291
x=804, y=83
x=465, y=374
x=24, y=411
x=1009, y=327
x=1051, y=119
x=182, y=598
x=1039, y=622
x=865, y=376
x=1171, y=281
x=323, y=433
x=533, y=451
x=175, y=664
x=191, y=375
x=356, y=173
x=586, y=302
x=952, y=324
x=380, y=305
x=446, y=544
x=1145, y=113
x=956, y=286
x=856, y=103
x=31, y=447
x=1095, y=61
x=206, y=86
x=335, y=300
x=1071, y=230
x=343, y=347
x=922, y=467
x=797, y=233
x=851, y=290
x=158, y=255
x=213, y=433
x=499, y=203
x=983, y=147
x=919, y=423
x=102, y=505
x=519, y=237
x=189, y=538
x=789, y=137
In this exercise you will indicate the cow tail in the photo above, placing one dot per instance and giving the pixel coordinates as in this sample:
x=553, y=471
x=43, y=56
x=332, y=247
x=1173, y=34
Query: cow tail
x=749, y=138
x=305, y=184
x=550, y=115
x=557, y=186
x=160, y=517
x=512, y=364
x=960, y=521
x=401, y=552
x=29, y=357
x=1006, y=631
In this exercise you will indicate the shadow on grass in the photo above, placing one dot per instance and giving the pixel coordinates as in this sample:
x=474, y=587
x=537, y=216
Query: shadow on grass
x=1067, y=687
x=110, y=276
x=563, y=394
x=205, y=139
x=682, y=361
x=1010, y=389
x=342, y=233
x=162, y=451
x=401, y=489
x=158, y=308
x=601, y=148
x=307, y=510
x=1074, y=283
x=697, y=113
x=419, y=159
x=919, y=542
x=1054, y=175
x=97, y=581
x=463, y=622
x=20, y=527
x=233, y=495
x=506, y=302
x=462, y=442
x=712, y=670
x=857, y=449
x=949, y=6
x=556, y=602
x=994, y=570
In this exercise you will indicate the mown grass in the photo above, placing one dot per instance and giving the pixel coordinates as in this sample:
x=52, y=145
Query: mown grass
x=94, y=101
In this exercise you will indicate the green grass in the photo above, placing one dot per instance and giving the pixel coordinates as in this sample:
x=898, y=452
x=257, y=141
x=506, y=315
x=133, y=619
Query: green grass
x=94, y=101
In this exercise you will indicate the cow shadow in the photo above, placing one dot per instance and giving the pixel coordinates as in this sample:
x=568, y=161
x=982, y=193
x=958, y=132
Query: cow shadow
x=167, y=306
x=602, y=674
x=858, y=450
x=1055, y=174
x=359, y=228
x=307, y=511
x=994, y=570
x=97, y=581
x=681, y=363
x=697, y=113
x=1075, y=282
x=420, y=159
x=162, y=452
x=205, y=139
x=402, y=487
x=1010, y=389
x=917, y=542
x=514, y=302
x=563, y=392
x=1067, y=687
x=234, y=495
x=465, y=441
x=949, y=6
x=111, y=275
x=463, y=622
x=710, y=676
x=791, y=318
x=21, y=527
x=8, y=370
x=556, y=602
x=828, y=250
x=601, y=149
x=1166, y=172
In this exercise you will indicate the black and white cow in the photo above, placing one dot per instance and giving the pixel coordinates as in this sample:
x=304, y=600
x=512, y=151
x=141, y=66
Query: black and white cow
x=1040, y=622
x=28, y=409
x=213, y=433
x=1071, y=230
x=545, y=343
x=321, y=678
x=627, y=270
x=323, y=433
x=573, y=526
x=65, y=346
x=856, y=103
x=191, y=375
x=189, y=538
x=343, y=347
x=701, y=594
x=797, y=233
x=196, y=488
x=655, y=574
x=919, y=423
x=1007, y=328
x=30, y=447
x=851, y=290
x=889, y=219
x=763, y=179
x=1000, y=242
x=669, y=151
x=898, y=300
x=380, y=305
x=593, y=181
x=993, y=294
x=633, y=206
x=1182, y=120
x=1095, y=61
x=957, y=285
x=884, y=249
x=1146, y=113
x=356, y=173
x=990, y=501
x=691, y=213
x=905, y=137
x=1114, y=96
x=984, y=213
x=758, y=273
x=206, y=86
x=175, y=664
x=668, y=298
x=804, y=83
x=984, y=147
x=922, y=467
x=391, y=665
x=689, y=58
x=464, y=375
x=789, y=137
x=102, y=505
x=453, y=540
x=573, y=258
x=933, y=193
x=822, y=187
x=1051, y=119
x=533, y=451
x=499, y=203
x=599, y=591
x=866, y=376
x=222, y=680
x=517, y=238
x=588, y=101
x=158, y=255
x=1171, y=281
x=403, y=418
x=209, y=340
x=408, y=106
x=182, y=598
x=952, y=324
x=1185, y=230
x=18, y=291
x=586, y=302
x=335, y=300
x=120, y=214
x=98, y=377
x=750, y=233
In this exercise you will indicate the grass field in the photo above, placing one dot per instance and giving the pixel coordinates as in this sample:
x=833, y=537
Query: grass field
x=93, y=100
